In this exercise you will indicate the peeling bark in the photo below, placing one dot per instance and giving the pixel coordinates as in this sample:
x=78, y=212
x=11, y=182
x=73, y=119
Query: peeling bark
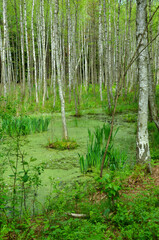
x=143, y=153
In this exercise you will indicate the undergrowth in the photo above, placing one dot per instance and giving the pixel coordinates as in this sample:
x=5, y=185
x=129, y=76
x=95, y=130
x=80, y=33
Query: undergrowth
x=118, y=206
x=108, y=212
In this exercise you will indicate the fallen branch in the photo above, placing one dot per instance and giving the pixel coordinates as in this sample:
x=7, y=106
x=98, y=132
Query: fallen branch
x=77, y=215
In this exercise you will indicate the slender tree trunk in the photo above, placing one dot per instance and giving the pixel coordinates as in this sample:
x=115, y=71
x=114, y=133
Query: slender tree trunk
x=40, y=61
x=125, y=46
x=65, y=133
x=69, y=49
x=100, y=49
x=157, y=62
x=22, y=45
x=86, y=64
x=129, y=79
x=53, y=65
x=117, y=48
x=17, y=53
x=9, y=59
x=27, y=49
x=44, y=51
x=106, y=57
x=4, y=70
x=34, y=55
x=110, y=54
x=152, y=104
x=143, y=153
x=1, y=47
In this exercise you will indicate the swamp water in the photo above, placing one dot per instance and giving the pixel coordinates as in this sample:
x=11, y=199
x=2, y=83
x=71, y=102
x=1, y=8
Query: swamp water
x=63, y=165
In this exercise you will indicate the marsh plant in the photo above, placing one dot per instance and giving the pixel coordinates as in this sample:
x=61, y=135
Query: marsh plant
x=95, y=151
x=24, y=125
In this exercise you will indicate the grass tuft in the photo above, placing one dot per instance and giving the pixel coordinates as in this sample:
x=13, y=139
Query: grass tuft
x=63, y=145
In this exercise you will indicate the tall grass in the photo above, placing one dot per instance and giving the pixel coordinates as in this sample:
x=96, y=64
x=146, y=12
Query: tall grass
x=24, y=125
x=95, y=151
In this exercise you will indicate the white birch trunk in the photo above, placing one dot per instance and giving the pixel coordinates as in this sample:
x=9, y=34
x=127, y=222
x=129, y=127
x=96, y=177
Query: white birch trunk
x=4, y=72
x=22, y=45
x=53, y=64
x=106, y=57
x=143, y=153
x=65, y=133
x=9, y=59
x=34, y=55
x=39, y=30
x=151, y=85
x=1, y=48
x=44, y=51
x=100, y=49
x=69, y=49
x=27, y=49
x=109, y=45
x=125, y=46
x=157, y=62
x=86, y=64
x=117, y=48
x=129, y=47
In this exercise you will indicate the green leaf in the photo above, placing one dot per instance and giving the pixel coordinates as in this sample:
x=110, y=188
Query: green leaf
x=32, y=159
x=25, y=178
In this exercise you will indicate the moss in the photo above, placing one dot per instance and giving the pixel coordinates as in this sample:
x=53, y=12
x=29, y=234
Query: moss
x=63, y=145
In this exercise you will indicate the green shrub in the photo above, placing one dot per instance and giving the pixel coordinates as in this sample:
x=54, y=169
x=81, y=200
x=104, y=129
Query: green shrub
x=139, y=218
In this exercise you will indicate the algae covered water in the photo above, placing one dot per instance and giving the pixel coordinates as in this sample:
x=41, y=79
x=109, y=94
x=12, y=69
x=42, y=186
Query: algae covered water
x=63, y=165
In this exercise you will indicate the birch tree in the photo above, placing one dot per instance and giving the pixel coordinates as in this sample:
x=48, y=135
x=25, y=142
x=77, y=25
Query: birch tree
x=1, y=48
x=53, y=63
x=151, y=85
x=44, y=51
x=117, y=48
x=22, y=45
x=27, y=48
x=65, y=133
x=100, y=48
x=4, y=47
x=106, y=57
x=157, y=62
x=143, y=153
x=69, y=48
x=40, y=62
x=34, y=55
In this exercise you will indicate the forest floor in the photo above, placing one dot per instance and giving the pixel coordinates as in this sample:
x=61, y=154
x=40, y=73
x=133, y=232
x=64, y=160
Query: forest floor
x=124, y=206
x=136, y=191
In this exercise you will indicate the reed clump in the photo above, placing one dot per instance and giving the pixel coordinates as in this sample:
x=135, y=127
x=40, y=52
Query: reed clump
x=95, y=150
x=24, y=125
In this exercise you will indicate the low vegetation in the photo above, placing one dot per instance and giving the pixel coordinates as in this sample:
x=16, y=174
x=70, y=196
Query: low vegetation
x=63, y=145
x=122, y=205
x=24, y=125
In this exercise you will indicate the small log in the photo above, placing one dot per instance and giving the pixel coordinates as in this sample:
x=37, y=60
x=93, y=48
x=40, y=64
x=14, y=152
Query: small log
x=77, y=215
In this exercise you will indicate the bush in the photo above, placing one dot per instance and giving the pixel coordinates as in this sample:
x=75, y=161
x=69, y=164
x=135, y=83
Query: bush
x=139, y=218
